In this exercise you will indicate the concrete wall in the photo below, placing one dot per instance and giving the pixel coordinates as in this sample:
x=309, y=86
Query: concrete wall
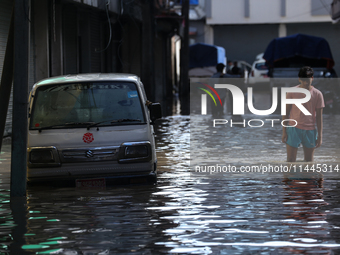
x=244, y=42
x=40, y=33
x=267, y=11
x=200, y=35
x=130, y=50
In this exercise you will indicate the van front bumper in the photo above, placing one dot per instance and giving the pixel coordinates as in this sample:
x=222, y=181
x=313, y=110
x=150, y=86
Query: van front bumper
x=130, y=158
x=107, y=169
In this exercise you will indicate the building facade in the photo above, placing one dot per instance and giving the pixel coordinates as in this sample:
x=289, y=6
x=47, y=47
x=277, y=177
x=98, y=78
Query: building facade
x=245, y=27
x=99, y=36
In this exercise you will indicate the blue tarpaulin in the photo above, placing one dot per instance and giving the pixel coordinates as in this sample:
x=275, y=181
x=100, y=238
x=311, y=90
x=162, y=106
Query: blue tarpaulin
x=204, y=55
x=192, y=2
x=298, y=45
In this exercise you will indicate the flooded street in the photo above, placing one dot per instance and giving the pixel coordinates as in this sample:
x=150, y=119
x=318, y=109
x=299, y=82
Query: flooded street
x=186, y=212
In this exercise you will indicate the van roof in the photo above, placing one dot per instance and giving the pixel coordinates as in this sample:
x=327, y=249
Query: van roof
x=88, y=77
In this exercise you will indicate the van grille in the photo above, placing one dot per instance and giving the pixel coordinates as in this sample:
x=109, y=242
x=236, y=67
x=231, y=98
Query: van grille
x=88, y=154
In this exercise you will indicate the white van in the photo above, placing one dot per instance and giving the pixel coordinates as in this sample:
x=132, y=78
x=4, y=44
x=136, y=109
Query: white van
x=89, y=128
x=259, y=71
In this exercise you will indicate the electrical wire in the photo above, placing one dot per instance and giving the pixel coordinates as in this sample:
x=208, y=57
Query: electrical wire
x=26, y=8
x=120, y=43
x=325, y=6
x=110, y=28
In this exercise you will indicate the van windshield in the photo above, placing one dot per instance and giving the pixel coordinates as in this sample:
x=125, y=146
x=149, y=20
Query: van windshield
x=84, y=104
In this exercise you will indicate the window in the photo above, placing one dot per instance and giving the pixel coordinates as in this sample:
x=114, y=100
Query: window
x=261, y=66
x=321, y=7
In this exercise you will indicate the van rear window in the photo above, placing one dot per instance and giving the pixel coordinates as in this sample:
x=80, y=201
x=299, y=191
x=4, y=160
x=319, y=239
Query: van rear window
x=261, y=66
x=84, y=104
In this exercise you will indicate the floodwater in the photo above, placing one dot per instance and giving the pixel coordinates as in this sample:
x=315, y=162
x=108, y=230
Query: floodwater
x=186, y=212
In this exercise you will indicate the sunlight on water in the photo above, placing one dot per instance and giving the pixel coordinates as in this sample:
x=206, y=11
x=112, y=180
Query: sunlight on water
x=238, y=145
x=185, y=213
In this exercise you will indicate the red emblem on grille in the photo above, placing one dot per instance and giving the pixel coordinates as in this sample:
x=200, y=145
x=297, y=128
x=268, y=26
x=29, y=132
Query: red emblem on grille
x=88, y=138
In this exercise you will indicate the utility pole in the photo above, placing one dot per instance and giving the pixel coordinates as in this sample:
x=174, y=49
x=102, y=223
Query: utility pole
x=184, y=59
x=20, y=98
x=6, y=80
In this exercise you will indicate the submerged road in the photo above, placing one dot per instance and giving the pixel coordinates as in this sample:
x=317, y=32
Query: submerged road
x=187, y=212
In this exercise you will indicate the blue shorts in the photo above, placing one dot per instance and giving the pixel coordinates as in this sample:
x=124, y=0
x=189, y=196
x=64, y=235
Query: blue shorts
x=297, y=136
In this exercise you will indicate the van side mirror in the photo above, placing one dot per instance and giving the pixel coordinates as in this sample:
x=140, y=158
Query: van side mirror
x=155, y=111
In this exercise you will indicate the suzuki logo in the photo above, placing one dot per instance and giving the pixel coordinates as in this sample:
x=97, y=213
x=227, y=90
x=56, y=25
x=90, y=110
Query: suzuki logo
x=89, y=154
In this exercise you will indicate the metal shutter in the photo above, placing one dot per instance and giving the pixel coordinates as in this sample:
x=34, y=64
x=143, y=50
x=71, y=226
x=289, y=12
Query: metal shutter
x=5, y=19
x=96, y=45
x=70, y=39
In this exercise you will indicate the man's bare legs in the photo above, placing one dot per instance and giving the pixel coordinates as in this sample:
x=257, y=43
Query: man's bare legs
x=309, y=153
x=291, y=153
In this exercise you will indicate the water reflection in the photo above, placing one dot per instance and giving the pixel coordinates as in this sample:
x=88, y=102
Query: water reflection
x=113, y=221
x=184, y=213
x=245, y=216
x=305, y=209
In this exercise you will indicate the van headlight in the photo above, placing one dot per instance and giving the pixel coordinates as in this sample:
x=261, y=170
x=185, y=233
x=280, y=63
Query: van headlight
x=43, y=157
x=135, y=152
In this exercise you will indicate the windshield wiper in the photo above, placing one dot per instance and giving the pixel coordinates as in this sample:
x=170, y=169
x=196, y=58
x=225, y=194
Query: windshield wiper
x=65, y=125
x=112, y=122
x=125, y=120
x=78, y=123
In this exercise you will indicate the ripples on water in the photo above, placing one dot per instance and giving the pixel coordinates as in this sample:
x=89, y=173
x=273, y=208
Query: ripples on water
x=184, y=214
x=239, y=145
